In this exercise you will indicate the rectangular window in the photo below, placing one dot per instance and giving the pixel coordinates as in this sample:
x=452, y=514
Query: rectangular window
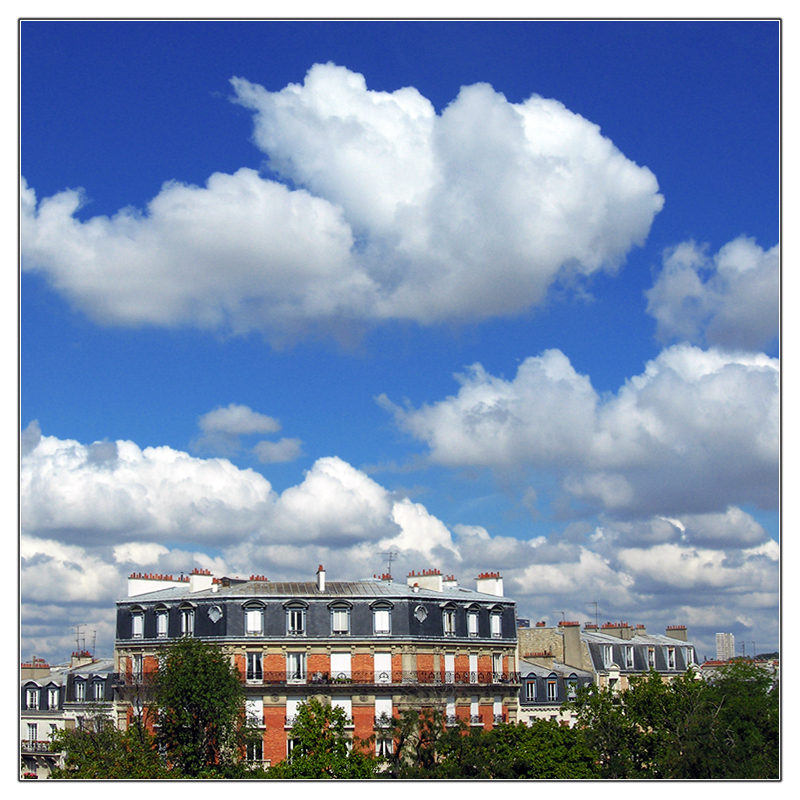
x=99, y=691
x=33, y=732
x=497, y=709
x=340, y=667
x=497, y=625
x=382, y=621
x=384, y=747
x=161, y=624
x=255, y=750
x=295, y=621
x=497, y=667
x=383, y=667
x=383, y=711
x=628, y=656
x=296, y=667
x=255, y=672
x=187, y=622
x=472, y=623
x=254, y=711
x=137, y=625
x=530, y=691
x=52, y=697
x=292, y=704
x=670, y=658
x=449, y=667
x=80, y=691
x=651, y=657
x=572, y=689
x=33, y=699
x=136, y=667
x=474, y=711
x=449, y=622
x=473, y=667
x=340, y=621
x=254, y=622
x=346, y=704
x=688, y=654
x=552, y=691
x=450, y=711
x=608, y=655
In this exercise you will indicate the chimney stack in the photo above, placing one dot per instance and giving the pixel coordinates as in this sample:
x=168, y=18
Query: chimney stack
x=321, y=579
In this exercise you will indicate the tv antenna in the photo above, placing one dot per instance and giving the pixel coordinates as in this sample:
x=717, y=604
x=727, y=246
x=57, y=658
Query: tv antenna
x=389, y=557
x=596, y=612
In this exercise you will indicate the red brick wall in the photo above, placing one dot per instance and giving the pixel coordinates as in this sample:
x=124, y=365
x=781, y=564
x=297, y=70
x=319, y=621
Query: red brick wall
x=424, y=662
x=462, y=667
x=364, y=719
x=240, y=663
x=363, y=666
x=274, y=663
x=485, y=664
x=318, y=662
x=275, y=734
x=397, y=667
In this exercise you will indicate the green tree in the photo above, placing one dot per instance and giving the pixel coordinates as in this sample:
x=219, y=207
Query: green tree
x=200, y=703
x=99, y=750
x=321, y=747
x=416, y=744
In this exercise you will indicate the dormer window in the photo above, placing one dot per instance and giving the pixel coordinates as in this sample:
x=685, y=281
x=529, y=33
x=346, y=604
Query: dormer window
x=296, y=619
x=530, y=690
x=80, y=691
x=472, y=622
x=33, y=699
x=688, y=654
x=52, y=697
x=254, y=620
x=162, y=622
x=187, y=621
x=572, y=687
x=670, y=658
x=340, y=620
x=449, y=621
x=608, y=655
x=137, y=623
x=98, y=688
x=497, y=624
x=628, y=656
x=651, y=657
x=382, y=620
x=552, y=689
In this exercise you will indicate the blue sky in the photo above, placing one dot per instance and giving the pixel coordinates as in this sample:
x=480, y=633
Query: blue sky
x=491, y=295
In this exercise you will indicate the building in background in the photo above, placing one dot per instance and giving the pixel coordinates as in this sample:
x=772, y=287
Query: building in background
x=725, y=647
x=57, y=698
x=372, y=647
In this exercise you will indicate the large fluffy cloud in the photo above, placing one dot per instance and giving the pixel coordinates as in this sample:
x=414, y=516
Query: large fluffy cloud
x=729, y=299
x=400, y=213
x=91, y=514
x=696, y=432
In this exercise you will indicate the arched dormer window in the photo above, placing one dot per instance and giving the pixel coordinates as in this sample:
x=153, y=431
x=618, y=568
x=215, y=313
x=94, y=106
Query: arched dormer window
x=552, y=687
x=187, y=620
x=496, y=622
x=449, y=619
x=473, y=619
x=295, y=618
x=137, y=622
x=254, y=619
x=32, y=695
x=340, y=618
x=162, y=622
x=572, y=686
x=381, y=618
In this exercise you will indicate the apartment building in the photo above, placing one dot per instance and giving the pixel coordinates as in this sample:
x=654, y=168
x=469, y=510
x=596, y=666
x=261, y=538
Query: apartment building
x=60, y=697
x=373, y=647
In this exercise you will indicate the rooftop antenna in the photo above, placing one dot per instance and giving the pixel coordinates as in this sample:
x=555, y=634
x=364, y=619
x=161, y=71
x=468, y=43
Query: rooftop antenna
x=94, y=642
x=389, y=556
x=563, y=615
x=79, y=637
x=596, y=612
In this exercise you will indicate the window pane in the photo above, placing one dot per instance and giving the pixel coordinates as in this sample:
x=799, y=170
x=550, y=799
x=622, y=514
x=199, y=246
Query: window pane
x=472, y=623
x=382, y=620
x=138, y=626
x=340, y=621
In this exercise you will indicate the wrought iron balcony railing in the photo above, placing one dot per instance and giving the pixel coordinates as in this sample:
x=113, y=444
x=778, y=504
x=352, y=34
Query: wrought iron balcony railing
x=36, y=746
x=406, y=677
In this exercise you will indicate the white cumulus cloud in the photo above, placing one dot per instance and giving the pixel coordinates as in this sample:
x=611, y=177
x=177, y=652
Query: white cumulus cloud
x=395, y=212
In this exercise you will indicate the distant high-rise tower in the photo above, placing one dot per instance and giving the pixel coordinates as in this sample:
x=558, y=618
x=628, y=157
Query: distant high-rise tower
x=725, y=647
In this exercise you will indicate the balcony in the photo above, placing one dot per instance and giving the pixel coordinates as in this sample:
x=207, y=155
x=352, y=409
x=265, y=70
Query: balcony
x=395, y=678
x=36, y=746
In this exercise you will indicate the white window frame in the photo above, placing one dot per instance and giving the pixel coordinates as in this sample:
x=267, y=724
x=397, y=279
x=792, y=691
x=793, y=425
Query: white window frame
x=137, y=624
x=137, y=666
x=552, y=689
x=382, y=621
x=383, y=712
x=52, y=697
x=449, y=621
x=341, y=666
x=449, y=667
x=572, y=687
x=651, y=658
x=475, y=711
x=292, y=704
x=530, y=690
x=382, y=664
x=255, y=751
x=346, y=704
x=254, y=667
x=33, y=732
x=671, y=658
x=254, y=711
x=162, y=623
x=80, y=691
x=340, y=621
x=497, y=667
x=629, y=656
x=187, y=622
x=473, y=622
x=254, y=620
x=296, y=667
x=450, y=710
x=32, y=699
x=473, y=667
x=98, y=688
x=295, y=620
x=688, y=655
x=497, y=624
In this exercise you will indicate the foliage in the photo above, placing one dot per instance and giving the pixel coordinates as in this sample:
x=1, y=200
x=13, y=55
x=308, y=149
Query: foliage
x=200, y=700
x=725, y=726
x=99, y=750
x=322, y=748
